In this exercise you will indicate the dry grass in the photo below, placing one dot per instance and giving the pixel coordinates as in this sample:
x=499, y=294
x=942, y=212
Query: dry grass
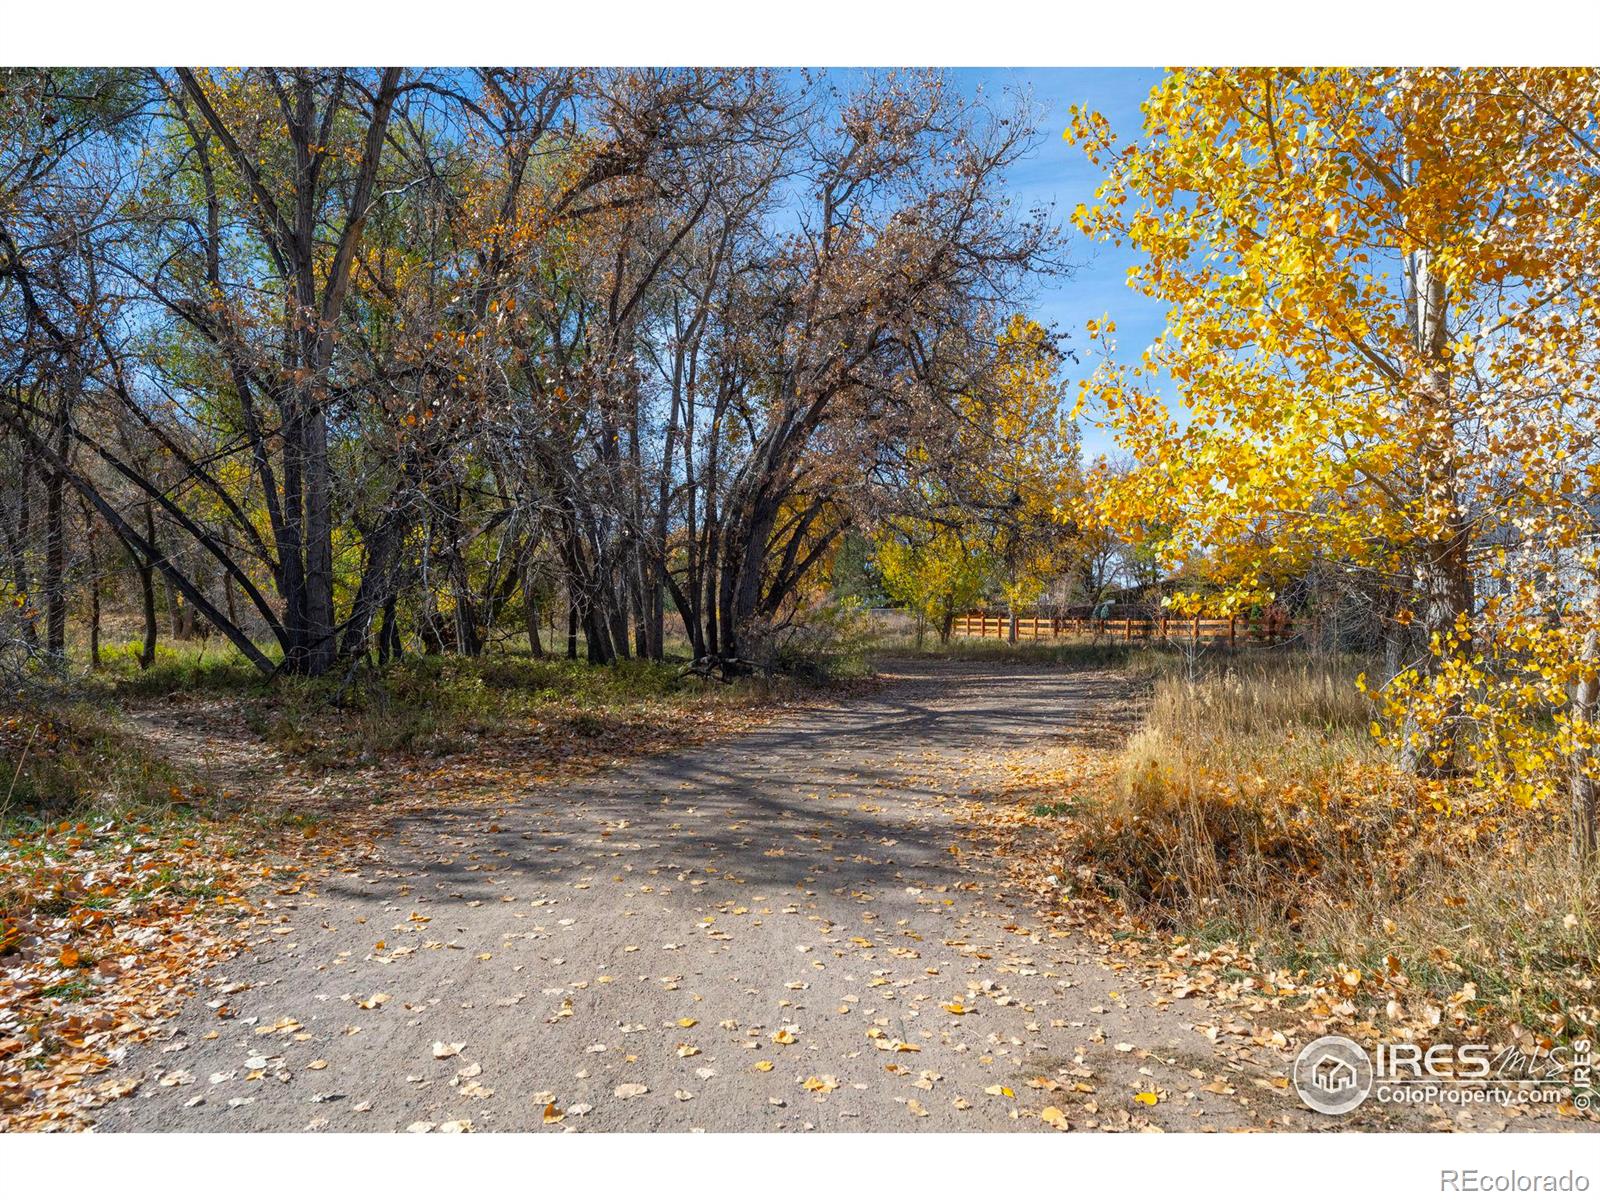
x=1254, y=807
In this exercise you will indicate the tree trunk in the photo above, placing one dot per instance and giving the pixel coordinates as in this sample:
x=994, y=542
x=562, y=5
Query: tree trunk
x=388, y=630
x=1443, y=575
x=147, y=587
x=94, y=598
x=174, y=621
x=535, y=647
x=55, y=561
x=17, y=550
x=1584, y=789
x=1444, y=592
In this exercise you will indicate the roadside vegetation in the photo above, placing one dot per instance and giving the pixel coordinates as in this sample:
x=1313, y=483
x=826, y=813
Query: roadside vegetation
x=1252, y=811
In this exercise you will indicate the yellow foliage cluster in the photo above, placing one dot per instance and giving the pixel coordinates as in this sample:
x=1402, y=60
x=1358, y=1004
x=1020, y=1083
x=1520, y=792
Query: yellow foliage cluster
x=1384, y=337
x=1009, y=528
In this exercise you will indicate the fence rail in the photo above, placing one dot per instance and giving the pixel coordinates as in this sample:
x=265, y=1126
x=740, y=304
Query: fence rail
x=1270, y=629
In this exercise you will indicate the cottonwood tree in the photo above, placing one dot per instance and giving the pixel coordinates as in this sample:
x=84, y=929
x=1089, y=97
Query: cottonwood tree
x=369, y=360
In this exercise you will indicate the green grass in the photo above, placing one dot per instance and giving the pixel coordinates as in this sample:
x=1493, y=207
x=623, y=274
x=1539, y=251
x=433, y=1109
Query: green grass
x=77, y=988
x=67, y=751
x=430, y=704
x=201, y=668
x=1058, y=809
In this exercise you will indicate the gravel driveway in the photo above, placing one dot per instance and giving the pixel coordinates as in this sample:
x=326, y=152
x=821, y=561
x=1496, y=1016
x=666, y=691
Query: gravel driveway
x=768, y=933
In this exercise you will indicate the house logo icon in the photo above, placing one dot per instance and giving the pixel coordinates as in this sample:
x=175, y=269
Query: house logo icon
x=1333, y=1075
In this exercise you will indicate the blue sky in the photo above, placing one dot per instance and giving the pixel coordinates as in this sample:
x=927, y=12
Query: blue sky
x=1059, y=175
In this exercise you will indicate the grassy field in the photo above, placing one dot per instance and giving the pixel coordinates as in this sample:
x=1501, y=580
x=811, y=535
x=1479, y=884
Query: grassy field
x=70, y=751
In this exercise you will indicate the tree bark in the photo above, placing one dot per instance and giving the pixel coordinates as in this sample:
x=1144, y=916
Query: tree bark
x=1444, y=593
x=1584, y=789
x=55, y=559
x=94, y=594
x=147, y=587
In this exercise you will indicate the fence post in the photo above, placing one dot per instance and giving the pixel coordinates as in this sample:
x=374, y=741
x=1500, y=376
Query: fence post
x=1233, y=631
x=1197, y=629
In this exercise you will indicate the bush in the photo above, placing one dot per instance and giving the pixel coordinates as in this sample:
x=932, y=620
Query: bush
x=833, y=642
x=1254, y=805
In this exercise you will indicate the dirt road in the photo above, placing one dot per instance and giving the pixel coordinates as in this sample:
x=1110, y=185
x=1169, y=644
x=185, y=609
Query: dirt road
x=770, y=933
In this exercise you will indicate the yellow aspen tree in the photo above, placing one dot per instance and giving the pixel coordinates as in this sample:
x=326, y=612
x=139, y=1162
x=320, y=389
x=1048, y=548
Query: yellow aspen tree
x=1382, y=312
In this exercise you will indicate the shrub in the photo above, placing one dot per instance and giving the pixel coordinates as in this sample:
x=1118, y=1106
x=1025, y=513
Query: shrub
x=1254, y=805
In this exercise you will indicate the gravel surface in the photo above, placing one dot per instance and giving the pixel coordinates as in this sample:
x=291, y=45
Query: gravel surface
x=768, y=933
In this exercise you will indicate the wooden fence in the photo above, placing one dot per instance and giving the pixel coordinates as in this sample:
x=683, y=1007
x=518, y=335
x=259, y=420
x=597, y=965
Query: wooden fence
x=1269, y=629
